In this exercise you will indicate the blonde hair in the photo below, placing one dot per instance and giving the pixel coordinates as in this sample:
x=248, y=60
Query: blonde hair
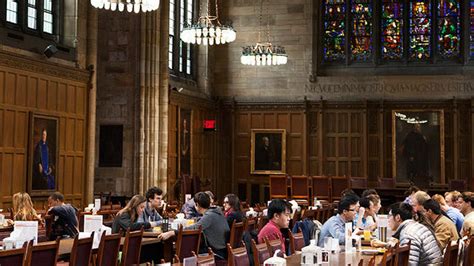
x=421, y=197
x=132, y=206
x=468, y=227
x=23, y=209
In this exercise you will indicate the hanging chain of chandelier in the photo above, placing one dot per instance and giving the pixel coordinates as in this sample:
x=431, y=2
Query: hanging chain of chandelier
x=129, y=5
x=208, y=30
x=263, y=53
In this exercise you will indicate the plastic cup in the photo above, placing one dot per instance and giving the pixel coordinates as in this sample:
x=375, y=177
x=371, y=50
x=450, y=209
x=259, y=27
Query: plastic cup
x=367, y=235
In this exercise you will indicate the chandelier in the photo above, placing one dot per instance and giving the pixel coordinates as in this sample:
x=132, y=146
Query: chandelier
x=263, y=53
x=208, y=30
x=129, y=5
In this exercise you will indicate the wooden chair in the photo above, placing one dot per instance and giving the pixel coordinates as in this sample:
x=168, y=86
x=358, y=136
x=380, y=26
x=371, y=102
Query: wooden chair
x=42, y=255
x=300, y=190
x=14, y=257
x=357, y=182
x=402, y=254
x=371, y=261
x=451, y=254
x=108, y=250
x=207, y=260
x=237, y=234
x=338, y=184
x=321, y=187
x=131, y=248
x=469, y=252
x=237, y=256
x=187, y=241
x=388, y=257
x=81, y=251
x=262, y=221
x=296, y=242
x=296, y=218
x=274, y=245
x=260, y=253
x=251, y=224
x=80, y=219
x=361, y=262
x=278, y=187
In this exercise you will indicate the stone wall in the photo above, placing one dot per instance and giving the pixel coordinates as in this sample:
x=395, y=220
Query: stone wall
x=291, y=25
x=117, y=94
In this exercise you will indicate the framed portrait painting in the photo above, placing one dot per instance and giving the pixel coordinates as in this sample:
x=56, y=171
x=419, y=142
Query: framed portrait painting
x=268, y=151
x=418, y=147
x=43, y=154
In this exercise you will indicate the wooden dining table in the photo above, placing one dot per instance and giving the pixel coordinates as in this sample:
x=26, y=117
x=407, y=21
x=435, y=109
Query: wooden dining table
x=340, y=259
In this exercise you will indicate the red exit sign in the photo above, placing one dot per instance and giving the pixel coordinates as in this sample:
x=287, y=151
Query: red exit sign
x=209, y=124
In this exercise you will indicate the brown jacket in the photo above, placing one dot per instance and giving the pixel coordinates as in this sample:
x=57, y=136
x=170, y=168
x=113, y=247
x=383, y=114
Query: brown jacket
x=445, y=231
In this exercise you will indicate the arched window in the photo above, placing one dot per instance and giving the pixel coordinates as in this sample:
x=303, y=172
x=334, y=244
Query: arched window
x=368, y=33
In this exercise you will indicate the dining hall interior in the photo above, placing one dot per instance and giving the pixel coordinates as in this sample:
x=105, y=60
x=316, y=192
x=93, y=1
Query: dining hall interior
x=342, y=129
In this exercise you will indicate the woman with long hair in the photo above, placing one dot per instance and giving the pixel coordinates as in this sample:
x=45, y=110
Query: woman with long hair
x=232, y=210
x=23, y=209
x=128, y=216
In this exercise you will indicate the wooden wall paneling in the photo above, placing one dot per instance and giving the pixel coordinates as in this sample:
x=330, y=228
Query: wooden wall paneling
x=2, y=87
x=372, y=145
x=464, y=151
x=71, y=101
x=472, y=143
x=363, y=142
x=53, y=96
x=62, y=97
x=42, y=95
x=10, y=85
x=320, y=138
x=32, y=97
x=455, y=143
x=313, y=143
x=7, y=175
x=9, y=129
x=21, y=85
x=305, y=134
x=449, y=137
x=388, y=143
x=381, y=137
x=172, y=150
x=77, y=174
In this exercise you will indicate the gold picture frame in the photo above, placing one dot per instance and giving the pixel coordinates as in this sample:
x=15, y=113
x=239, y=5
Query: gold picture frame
x=268, y=151
x=418, y=147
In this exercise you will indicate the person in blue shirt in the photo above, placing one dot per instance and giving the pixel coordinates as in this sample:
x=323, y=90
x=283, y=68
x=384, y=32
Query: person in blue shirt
x=454, y=214
x=335, y=226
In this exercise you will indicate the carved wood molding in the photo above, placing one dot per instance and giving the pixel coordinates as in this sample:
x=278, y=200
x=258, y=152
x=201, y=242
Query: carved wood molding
x=34, y=65
x=183, y=99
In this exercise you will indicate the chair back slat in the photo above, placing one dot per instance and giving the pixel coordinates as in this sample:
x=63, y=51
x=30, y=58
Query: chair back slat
x=278, y=186
x=296, y=242
x=108, y=250
x=187, y=242
x=300, y=189
x=402, y=254
x=274, y=245
x=260, y=252
x=321, y=187
x=469, y=252
x=42, y=255
x=237, y=234
x=131, y=247
x=207, y=260
x=237, y=256
x=451, y=254
x=81, y=251
x=14, y=257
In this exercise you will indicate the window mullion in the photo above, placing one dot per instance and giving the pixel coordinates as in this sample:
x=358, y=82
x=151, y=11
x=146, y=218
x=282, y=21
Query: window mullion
x=376, y=32
x=434, y=32
x=406, y=32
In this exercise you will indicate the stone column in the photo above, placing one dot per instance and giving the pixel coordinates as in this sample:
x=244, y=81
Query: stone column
x=153, y=144
x=91, y=60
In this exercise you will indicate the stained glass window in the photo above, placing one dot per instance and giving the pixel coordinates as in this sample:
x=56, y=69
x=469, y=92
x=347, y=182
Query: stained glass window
x=392, y=33
x=334, y=28
x=361, y=39
x=448, y=28
x=420, y=30
x=472, y=29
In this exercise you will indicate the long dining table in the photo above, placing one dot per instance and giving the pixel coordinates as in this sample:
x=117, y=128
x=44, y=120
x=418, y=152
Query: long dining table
x=339, y=259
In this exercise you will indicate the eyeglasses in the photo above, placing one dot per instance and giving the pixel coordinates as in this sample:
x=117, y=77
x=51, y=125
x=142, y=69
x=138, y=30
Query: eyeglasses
x=351, y=210
x=226, y=202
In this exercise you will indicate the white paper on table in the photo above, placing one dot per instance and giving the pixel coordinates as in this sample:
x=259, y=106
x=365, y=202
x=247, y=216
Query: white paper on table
x=191, y=261
x=348, y=236
x=187, y=197
x=26, y=230
x=97, y=204
x=93, y=223
x=382, y=220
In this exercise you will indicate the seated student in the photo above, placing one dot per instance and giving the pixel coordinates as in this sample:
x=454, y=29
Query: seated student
x=23, y=209
x=365, y=217
x=451, y=198
x=128, y=217
x=424, y=249
x=213, y=223
x=153, y=202
x=445, y=230
x=336, y=225
x=466, y=205
x=468, y=229
x=232, y=209
x=64, y=222
x=453, y=213
x=189, y=207
x=278, y=214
